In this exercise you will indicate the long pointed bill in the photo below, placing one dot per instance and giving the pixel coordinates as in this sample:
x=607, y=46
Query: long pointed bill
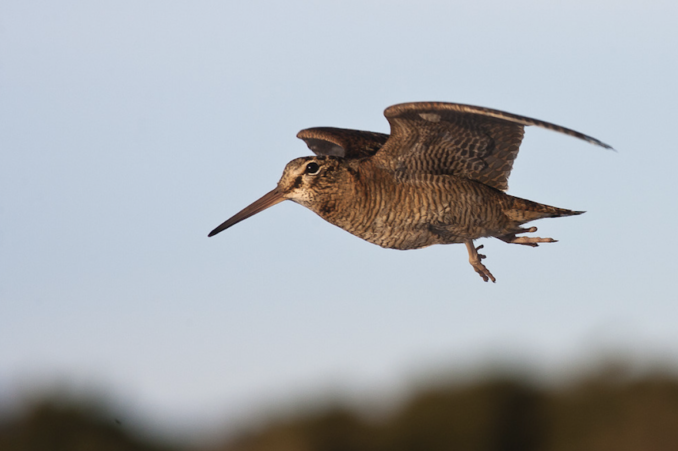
x=268, y=200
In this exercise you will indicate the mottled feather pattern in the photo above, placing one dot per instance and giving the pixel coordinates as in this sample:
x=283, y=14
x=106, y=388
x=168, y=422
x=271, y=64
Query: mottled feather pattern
x=342, y=142
x=445, y=141
x=400, y=215
x=480, y=150
x=436, y=179
x=477, y=111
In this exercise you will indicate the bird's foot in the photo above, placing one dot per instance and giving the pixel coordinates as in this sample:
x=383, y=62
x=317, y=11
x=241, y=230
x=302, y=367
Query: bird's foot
x=527, y=241
x=475, y=259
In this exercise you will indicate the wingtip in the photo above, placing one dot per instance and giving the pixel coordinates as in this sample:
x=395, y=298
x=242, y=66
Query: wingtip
x=605, y=146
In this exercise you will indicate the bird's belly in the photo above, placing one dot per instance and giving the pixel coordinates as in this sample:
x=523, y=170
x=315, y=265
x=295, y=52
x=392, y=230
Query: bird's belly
x=411, y=215
x=403, y=239
x=414, y=232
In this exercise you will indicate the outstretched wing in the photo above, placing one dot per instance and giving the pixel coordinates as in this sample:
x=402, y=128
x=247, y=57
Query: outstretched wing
x=464, y=140
x=342, y=142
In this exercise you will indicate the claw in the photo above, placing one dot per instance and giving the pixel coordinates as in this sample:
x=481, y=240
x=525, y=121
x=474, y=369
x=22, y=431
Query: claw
x=532, y=241
x=527, y=241
x=475, y=259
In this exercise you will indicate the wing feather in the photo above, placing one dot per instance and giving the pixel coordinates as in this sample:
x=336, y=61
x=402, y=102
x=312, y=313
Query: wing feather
x=342, y=142
x=464, y=140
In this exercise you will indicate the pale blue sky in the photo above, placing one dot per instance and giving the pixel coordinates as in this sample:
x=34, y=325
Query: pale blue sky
x=128, y=130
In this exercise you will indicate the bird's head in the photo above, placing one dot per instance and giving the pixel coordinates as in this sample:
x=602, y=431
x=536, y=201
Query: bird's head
x=307, y=181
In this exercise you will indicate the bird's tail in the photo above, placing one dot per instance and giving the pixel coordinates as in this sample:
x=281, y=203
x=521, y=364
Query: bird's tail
x=523, y=210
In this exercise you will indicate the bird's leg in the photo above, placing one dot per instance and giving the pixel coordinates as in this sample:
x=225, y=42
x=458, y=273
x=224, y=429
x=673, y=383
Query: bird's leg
x=527, y=241
x=475, y=259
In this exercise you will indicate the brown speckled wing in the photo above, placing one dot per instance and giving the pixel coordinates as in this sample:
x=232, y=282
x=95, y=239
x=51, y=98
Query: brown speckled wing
x=341, y=142
x=449, y=138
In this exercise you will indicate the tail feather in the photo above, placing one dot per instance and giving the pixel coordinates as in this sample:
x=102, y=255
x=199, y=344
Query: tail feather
x=523, y=210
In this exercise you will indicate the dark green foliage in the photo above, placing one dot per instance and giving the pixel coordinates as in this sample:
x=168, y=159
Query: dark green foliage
x=598, y=414
x=501, y=415
x=57, y=426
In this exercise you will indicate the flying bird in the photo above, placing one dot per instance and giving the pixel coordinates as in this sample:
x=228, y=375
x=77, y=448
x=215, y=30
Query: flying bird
x=438, y=178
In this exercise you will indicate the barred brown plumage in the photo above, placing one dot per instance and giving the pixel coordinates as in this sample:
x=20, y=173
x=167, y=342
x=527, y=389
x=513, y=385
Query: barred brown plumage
x=438, y=178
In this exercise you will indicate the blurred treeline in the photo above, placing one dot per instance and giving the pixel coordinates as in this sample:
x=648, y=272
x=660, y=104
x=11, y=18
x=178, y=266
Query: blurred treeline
x=602, y=412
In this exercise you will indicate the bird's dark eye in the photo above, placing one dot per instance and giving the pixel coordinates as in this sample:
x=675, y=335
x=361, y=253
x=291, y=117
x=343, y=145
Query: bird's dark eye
x=312, y=168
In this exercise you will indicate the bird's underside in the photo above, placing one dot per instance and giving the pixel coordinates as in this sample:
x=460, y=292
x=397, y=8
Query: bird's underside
x=438, y=178
x=423, y=210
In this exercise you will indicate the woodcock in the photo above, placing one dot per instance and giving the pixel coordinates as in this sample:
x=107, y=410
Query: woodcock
x=438, y=178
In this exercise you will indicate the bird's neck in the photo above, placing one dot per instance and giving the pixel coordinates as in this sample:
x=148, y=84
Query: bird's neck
x=350, y=206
